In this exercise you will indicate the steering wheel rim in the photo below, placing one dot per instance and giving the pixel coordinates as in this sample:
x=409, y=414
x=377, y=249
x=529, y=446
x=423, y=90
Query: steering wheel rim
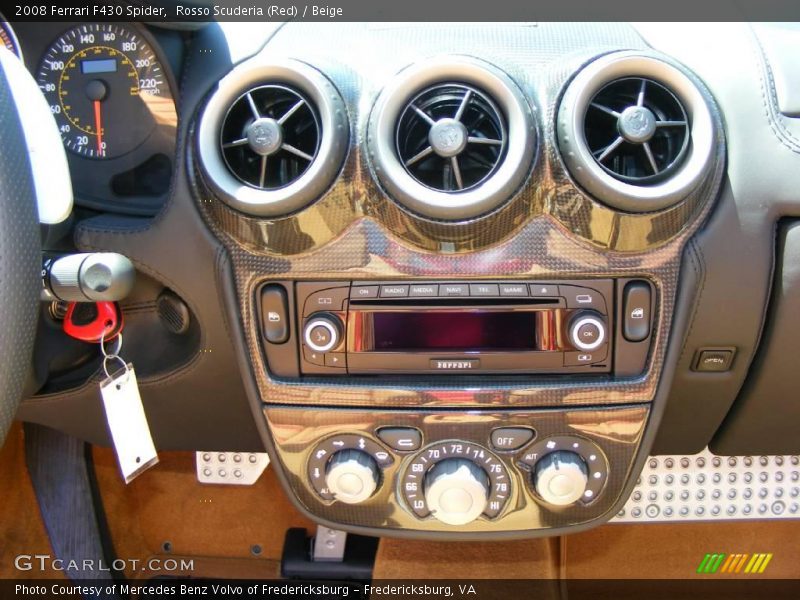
x=20, y=259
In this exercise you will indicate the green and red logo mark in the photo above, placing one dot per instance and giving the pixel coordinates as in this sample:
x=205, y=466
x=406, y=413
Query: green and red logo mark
x=751, y=564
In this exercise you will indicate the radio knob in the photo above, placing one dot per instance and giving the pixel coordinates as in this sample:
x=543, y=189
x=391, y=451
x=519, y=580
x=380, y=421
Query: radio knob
x=587, y=330
x=456, y=491
x=560, y=478
x=352, y=476
x=322, y=332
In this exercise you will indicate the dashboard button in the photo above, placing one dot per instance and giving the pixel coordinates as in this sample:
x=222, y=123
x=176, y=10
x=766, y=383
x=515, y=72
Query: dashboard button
x=313, y=357
x=513, y=289
x=636, y=311
x=403, y=439
x=322, y=332
x=484, y=289
x=710, y=361
x=587, y=331
x=541, y=290
x=580, y=297
x=454, y=289
x=511, y=438
x=335, y=359
x=327, y=299
x=394, y=291
x=423, y=291
x=364, y=291
x=576, y=359
x=274, y=313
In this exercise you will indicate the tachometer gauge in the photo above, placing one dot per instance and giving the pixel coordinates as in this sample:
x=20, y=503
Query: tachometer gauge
x=105, y=87
x=8, y=38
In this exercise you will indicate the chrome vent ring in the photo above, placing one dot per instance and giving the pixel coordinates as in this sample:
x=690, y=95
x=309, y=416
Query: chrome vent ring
x=272, y=137
x=636, y=132
x=452, y=138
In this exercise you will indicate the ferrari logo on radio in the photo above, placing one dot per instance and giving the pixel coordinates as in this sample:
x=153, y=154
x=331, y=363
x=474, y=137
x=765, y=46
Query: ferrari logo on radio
x=455, y=364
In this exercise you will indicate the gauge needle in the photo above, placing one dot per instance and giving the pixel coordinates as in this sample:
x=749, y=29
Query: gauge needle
x=99, y=127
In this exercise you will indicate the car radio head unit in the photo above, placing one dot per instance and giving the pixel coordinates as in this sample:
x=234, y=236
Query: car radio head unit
x=406, y=328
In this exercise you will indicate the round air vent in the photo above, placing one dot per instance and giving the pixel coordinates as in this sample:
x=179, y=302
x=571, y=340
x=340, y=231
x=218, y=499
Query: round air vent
x=636, y=132
x=452, y=138
x=272, y=137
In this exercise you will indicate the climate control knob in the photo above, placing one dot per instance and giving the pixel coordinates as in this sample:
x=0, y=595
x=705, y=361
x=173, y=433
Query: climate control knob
x=587, y=330
x=560, y=478
x=456, y=490
x=322, y=332
x=352, y=476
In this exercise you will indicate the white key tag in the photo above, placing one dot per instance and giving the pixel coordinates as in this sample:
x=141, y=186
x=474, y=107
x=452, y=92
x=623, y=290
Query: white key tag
x=125, y=415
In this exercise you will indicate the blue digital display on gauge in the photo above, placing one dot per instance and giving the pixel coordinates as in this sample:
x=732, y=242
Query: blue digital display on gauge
x=103, y=65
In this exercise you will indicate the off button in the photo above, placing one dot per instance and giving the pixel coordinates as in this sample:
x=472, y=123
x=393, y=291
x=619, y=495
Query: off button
x=511, y=438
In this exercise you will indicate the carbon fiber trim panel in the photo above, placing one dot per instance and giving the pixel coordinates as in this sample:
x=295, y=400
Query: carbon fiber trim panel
x=548, y=231
x=297, y=432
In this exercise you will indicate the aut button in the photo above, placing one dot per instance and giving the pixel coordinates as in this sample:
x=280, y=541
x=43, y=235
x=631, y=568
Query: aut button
x=403, y=439
x=511, y=438
x=274, y=314
x=636, y=311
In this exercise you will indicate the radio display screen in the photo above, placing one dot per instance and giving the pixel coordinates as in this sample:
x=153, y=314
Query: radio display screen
x=456, y=331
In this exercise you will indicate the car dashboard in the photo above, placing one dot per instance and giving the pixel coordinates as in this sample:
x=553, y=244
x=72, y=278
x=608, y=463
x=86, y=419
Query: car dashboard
x=457, y=280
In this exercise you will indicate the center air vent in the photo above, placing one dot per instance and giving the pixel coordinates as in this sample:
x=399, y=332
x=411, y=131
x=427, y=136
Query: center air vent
x=452, y=138
x=272, y=137
x=636, y=132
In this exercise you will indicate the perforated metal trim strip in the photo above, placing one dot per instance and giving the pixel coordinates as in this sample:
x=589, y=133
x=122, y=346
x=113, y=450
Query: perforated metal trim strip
x=705, y=487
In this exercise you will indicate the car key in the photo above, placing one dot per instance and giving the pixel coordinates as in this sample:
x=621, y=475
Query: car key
x=93, y=321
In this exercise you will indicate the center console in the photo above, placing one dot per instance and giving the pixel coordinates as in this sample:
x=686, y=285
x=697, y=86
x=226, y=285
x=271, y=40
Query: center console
x=458, y=285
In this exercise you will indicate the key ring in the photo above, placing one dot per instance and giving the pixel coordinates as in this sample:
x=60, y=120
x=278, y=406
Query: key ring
x=108, y=357
x=122, y=362
x=115, y=352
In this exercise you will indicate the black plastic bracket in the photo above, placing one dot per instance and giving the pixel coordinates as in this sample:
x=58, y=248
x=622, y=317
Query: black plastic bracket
x=357, y=564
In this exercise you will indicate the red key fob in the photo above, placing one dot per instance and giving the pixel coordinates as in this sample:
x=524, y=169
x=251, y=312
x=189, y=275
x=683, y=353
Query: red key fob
x=93, y=321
